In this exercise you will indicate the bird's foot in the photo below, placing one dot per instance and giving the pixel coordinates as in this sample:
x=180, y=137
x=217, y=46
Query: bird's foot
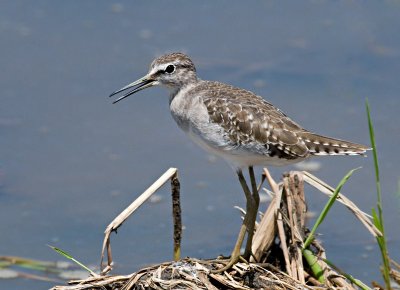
x=235, y=256
x=232, y=261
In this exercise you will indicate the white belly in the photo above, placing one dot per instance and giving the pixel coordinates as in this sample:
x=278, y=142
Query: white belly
x=239, y=157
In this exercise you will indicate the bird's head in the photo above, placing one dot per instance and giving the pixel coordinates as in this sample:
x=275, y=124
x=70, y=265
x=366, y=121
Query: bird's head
x=174, y=70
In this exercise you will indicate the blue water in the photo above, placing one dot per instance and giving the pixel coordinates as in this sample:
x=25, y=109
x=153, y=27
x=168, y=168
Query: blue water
x=70, y=160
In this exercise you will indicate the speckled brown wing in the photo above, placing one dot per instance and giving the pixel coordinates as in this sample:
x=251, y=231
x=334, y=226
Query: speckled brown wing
x=250, y=120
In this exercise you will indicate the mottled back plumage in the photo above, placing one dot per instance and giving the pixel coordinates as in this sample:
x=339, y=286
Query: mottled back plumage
x=248, y=118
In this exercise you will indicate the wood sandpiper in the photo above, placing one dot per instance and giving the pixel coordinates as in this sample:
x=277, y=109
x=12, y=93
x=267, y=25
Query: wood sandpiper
x=237, y=125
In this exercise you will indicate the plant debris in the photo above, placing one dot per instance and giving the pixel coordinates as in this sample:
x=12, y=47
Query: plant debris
x=279, y=259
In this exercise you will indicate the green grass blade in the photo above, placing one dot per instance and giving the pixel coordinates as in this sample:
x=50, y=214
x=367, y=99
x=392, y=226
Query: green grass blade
x=43, y=266
x=378, y=216
x=373, y=145
x=315, y=267
x=68, y=256
x=348, y=276
x=327, y=207
x=375, y=219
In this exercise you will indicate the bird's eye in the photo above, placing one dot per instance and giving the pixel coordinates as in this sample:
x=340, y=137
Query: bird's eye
x=170, y=69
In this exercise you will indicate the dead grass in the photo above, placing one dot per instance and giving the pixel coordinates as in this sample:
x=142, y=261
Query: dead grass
x=277, y=261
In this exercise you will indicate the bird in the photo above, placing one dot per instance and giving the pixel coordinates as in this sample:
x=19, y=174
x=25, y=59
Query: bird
x=237, y=125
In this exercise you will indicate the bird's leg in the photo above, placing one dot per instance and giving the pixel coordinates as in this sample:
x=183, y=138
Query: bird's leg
x=251, y=213
x=245, y=226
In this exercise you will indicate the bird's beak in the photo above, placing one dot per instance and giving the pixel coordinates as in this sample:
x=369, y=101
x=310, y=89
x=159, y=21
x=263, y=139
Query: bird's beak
x=140, y=84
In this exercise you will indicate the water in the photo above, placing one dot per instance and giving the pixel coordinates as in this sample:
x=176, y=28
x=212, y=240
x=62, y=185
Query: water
x=70, y=160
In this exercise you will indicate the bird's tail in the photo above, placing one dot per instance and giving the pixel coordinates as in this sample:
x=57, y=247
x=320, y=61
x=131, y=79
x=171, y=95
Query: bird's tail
x=321, y=145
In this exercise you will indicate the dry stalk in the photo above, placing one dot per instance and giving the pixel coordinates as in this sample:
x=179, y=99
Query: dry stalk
x=395, y=274
x=363, y=217
x=265, y=232
x=123, y=216
x=266, y=229
x=296, y=209
x=177, y=215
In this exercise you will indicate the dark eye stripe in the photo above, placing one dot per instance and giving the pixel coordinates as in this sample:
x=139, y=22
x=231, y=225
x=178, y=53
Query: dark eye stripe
x=183, y=65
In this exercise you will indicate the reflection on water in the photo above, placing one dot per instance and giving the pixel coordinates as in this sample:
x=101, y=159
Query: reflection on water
x=70, y=161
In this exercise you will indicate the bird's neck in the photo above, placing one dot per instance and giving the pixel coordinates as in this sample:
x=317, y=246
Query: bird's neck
x=175, y=91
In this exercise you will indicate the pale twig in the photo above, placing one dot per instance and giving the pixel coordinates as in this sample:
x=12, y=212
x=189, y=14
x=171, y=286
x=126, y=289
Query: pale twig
x=117, y=222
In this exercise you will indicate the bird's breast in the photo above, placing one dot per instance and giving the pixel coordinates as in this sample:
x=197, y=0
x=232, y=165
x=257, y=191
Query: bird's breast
x=191, y=115
x=183, y=108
